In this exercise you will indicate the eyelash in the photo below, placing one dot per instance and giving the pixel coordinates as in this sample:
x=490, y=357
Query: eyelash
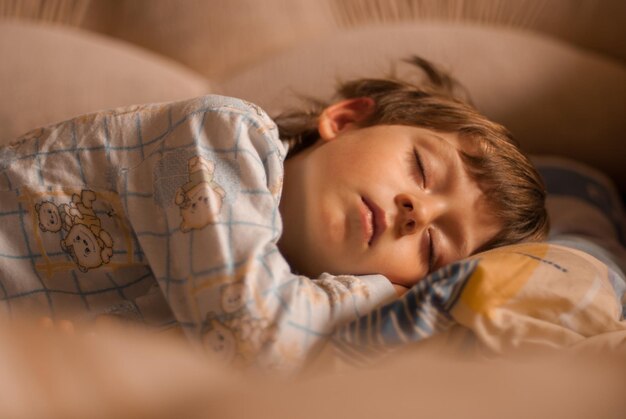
x=431, y=252
x=420, y=166
x=431, y=246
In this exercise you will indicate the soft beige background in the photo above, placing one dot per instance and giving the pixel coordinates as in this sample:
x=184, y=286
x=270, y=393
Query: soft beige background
x=194, y=31
x=124, y=375
x=554, y=71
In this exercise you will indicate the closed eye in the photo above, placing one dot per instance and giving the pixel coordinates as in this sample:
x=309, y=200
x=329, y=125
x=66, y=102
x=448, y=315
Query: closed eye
x=431, y=252
x=419, y=165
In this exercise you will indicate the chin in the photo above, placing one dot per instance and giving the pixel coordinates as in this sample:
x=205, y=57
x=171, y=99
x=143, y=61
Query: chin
x=303, y=269
x=315, y=268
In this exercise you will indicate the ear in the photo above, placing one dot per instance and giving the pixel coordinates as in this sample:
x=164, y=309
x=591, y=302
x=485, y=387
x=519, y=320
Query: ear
x=344, y=115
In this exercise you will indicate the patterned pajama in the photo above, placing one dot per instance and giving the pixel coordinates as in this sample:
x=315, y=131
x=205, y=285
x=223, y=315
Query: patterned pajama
x=166, y=213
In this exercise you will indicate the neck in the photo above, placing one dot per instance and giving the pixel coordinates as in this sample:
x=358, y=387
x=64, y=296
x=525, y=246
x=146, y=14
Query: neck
x=292, y=208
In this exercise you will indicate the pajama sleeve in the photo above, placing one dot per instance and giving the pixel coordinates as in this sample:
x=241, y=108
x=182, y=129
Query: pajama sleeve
x=203, y=204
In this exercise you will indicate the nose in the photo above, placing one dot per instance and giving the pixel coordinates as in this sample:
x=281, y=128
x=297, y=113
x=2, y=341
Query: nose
x=415, y=213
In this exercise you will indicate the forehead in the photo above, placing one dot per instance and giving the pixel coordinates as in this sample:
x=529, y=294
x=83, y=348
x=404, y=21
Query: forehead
x=453, y=141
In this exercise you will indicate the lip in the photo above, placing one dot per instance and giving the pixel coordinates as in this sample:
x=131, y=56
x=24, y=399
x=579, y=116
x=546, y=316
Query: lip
x=375, y=222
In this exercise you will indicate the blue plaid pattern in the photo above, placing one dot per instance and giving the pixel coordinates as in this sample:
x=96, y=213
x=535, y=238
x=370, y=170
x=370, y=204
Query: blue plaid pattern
x=421, y=313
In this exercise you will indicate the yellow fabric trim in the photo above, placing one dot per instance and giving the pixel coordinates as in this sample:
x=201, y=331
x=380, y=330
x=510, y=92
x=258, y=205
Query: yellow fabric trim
x=500, y=276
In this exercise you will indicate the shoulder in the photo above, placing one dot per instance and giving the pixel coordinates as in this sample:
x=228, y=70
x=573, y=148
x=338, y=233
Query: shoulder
x=247, y=120
x=251, y=113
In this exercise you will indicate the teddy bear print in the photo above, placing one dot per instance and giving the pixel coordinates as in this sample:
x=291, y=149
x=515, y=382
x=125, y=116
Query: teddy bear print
x=220, y=340
x=51, y=218
x=201, y=198
x=87, y=243
x=254, y=331
x=232, y=297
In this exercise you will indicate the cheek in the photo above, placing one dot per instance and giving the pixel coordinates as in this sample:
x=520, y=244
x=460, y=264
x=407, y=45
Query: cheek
x=400, y=262
x=354, y=164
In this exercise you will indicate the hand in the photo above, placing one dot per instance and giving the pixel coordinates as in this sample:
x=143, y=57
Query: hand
x=400, y=289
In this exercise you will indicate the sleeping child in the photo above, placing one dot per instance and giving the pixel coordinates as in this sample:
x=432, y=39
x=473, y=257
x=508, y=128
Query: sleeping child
x=257, y=237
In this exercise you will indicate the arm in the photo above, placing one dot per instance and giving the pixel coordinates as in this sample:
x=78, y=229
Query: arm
x=225, y=280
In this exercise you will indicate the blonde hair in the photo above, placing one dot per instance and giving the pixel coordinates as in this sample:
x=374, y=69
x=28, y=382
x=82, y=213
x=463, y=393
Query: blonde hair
x=510, y=183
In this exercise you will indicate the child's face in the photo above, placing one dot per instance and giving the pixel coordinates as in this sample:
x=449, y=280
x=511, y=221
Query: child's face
x=358, y=203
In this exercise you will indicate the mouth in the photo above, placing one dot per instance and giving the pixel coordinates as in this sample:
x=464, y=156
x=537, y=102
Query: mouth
x=374, y=222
